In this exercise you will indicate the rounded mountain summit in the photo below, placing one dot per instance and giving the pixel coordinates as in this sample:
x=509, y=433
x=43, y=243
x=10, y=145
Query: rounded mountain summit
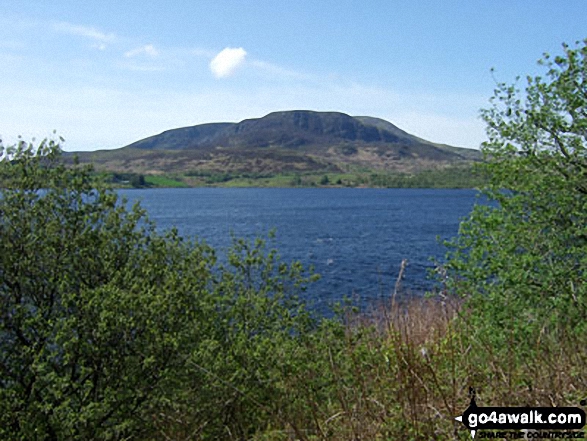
x=297, y=141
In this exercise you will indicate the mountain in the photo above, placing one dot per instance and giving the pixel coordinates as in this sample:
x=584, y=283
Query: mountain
x=386, y=125
x=279, y=129
x=299, y=141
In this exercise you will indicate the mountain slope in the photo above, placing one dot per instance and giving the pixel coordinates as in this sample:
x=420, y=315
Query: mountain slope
x=181, y=138
x=386, y=125
x=299, y=141
x=278, y=129
x=284, y=129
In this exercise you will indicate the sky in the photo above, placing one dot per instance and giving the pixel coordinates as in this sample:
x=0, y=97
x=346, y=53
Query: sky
x=105, y=74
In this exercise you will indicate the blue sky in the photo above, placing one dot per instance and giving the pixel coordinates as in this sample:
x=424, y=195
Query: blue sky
x=105, y=74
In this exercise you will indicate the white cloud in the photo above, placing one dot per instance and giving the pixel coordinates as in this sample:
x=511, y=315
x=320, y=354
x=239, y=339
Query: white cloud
x=148, y=50
x=84, y=31
x=227, y=61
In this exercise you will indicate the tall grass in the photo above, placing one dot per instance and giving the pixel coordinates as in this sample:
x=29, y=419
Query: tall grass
x=404, y=371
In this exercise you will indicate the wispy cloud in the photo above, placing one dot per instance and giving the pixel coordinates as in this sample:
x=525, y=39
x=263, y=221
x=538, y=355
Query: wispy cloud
x=278, y=71
x=100, y=38
x=227, y=61
x=149, y=50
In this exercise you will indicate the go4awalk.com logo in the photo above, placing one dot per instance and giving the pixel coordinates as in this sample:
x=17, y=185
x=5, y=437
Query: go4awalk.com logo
x=543, y=422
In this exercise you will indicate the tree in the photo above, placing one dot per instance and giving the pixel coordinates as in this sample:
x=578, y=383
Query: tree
x=522, y=258
x=106, y=324
x=137, y=180
x=91, y=313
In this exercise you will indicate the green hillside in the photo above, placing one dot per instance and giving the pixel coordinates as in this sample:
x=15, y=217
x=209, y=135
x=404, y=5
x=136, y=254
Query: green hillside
x=289, y=148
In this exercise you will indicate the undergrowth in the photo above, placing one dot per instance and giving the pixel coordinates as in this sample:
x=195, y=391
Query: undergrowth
x=404, y=371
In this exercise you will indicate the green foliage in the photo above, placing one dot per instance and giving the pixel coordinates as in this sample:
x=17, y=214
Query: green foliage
x=93, y=305
x=104, y=322
x=296, y=181
x=523, y=259
x=467, y=176
x=164, y=181
x=137, y=181
x=124, y=179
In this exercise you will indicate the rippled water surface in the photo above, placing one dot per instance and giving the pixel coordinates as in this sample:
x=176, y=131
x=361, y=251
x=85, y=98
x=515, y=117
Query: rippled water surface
x=355, y=238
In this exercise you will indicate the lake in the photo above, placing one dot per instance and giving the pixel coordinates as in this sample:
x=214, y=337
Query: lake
x=354, y=238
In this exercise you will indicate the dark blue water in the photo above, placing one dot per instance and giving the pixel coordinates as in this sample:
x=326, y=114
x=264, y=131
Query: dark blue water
x=355, y=238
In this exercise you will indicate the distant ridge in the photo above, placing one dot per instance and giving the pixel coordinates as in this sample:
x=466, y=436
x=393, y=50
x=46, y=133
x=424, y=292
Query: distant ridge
x=297, y=142
x=288, y=129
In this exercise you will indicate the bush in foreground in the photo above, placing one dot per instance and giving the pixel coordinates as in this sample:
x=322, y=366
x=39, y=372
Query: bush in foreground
x=106, y=323
x=524, y=260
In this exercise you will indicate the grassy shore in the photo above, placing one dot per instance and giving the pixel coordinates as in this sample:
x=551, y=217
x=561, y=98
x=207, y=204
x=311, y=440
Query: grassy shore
x=453, y=177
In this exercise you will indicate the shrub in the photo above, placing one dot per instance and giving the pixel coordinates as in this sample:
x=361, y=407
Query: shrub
x=523, y=260
x=105, y=324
